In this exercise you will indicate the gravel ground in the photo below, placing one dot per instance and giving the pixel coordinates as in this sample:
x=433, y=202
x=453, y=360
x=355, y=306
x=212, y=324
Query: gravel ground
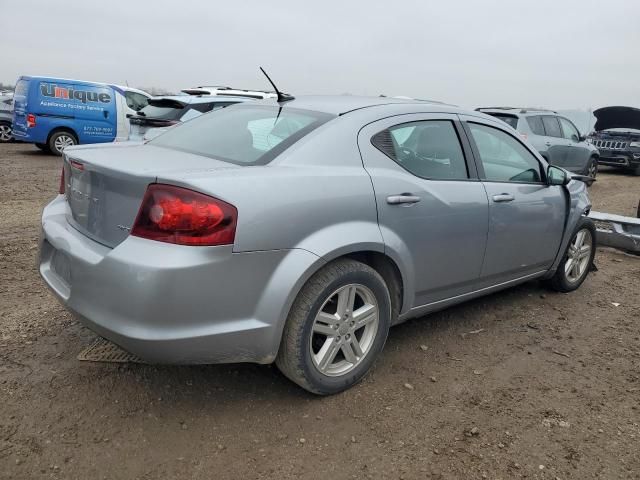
x=525, y=383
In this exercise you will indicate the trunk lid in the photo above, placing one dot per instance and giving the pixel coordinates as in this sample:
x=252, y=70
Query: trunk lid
x=617, y=117
x=105, y=184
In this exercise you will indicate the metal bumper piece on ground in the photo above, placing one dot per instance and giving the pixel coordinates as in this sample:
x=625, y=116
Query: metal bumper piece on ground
x=617, y=231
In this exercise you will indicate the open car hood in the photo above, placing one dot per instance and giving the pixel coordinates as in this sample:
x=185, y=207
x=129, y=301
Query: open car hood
x=617, y=117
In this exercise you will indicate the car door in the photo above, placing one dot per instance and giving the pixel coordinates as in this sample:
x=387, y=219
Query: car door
x=432, y=209
x=578, y=153
x=555, y=143
x=526, y=216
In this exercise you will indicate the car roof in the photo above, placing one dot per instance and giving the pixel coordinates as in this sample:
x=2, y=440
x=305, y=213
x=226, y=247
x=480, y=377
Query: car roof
x=195, y=99
x=517, y=110
x=342, y=104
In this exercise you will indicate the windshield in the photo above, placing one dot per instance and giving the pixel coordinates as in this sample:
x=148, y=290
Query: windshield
x=244, y=135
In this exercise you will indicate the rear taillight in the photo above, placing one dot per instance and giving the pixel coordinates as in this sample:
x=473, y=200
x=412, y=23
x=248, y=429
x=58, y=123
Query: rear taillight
x=31, y=120
x=178, y=215
x=62, y=189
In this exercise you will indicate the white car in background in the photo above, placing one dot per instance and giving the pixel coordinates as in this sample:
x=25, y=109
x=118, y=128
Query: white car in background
x=161, y=113
x=229, y=92
x=6, y=117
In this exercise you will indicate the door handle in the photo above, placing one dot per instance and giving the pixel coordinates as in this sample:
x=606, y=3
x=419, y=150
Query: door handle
x=402, y=199
x=503, y=197
x=548, y=144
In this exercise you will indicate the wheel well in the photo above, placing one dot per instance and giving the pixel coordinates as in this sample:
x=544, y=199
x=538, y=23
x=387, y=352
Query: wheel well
x=388, y=270
x=62, y=129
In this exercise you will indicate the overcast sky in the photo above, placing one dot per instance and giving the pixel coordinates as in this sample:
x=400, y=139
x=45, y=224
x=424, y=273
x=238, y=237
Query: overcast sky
x=553, y=53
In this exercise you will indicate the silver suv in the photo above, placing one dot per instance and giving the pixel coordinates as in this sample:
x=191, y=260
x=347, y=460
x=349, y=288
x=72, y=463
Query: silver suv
x=555, y=137
x=6, y=114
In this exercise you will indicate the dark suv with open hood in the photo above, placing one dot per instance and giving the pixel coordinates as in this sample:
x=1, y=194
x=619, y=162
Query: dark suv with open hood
x=617, y=136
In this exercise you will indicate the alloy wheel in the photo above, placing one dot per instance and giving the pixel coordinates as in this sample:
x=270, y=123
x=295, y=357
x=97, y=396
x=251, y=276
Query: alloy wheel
x=63, y=141
x=5, y=133
x=578, y=255
x=344, y=330
x=593, y=169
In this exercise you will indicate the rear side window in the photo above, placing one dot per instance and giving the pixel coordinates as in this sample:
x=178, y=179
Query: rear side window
x=504, y=159
x=510, y=120
x=535, y=124
x=551, y=126
x=429, y=149
x=244, y=135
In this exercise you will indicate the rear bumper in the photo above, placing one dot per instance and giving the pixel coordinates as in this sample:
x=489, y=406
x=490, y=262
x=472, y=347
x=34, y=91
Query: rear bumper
x=168, y=303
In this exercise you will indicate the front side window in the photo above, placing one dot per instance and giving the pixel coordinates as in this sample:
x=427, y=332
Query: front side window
x=243, y=134
x=429, y=149
x=503, y=157
x=570, y=132
x=535, y=124
x=551, y=126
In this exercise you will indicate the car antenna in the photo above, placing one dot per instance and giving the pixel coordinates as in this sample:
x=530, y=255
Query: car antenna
x=282, y=97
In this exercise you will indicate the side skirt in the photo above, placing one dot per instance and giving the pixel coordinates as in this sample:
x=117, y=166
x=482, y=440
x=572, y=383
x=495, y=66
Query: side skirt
x=448, y=302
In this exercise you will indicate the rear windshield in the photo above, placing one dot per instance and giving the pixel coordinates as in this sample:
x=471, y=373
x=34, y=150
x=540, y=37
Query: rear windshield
x=242, y=134
x=508, y=119
x=163, y=110
x=21, y=87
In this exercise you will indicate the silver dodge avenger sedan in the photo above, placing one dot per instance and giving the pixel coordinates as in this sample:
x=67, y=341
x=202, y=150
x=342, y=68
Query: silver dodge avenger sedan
x=300, y=231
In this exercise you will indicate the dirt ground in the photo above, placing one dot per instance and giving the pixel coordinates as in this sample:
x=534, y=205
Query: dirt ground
x=525, y=383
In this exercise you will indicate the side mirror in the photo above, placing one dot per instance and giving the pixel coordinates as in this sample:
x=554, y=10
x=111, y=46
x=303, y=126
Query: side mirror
x=582, y=138
x=557, y=176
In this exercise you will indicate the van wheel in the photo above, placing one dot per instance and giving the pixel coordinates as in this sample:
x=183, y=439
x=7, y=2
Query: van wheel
x=336, y=328
x=43, y=146
x=5, y=132
x=578, y=259
x=61, y=140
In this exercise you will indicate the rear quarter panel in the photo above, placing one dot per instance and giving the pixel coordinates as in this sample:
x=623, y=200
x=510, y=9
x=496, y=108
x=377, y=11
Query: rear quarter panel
x=315, y=196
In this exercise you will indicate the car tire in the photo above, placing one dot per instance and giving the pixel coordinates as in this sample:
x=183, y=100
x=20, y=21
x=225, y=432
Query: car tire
x=60, y=140
x=5, y=132
x=635, y=171
x=43, y=146
x=326, y=351
x=578, y=258
x=592, y=167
